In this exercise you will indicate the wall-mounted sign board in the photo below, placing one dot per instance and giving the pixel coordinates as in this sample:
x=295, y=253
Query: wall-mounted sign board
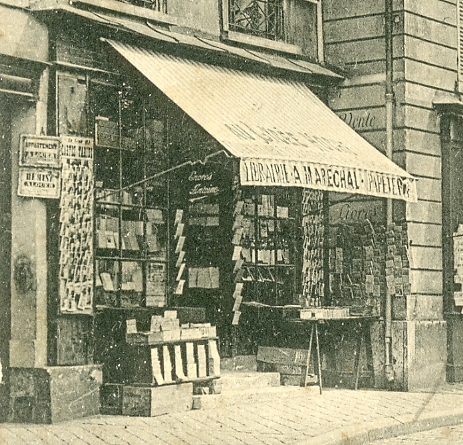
x=37, y=182
x=39, y=151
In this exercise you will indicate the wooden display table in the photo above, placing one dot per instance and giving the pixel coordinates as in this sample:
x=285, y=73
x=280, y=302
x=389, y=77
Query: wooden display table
x=363, y=337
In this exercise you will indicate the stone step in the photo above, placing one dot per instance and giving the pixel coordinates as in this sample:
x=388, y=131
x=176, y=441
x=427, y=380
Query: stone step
x=235, y=381
x=242, y=363
x=245, y=396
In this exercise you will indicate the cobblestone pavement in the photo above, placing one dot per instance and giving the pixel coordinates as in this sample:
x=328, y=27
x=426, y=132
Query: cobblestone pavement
x=300, y=416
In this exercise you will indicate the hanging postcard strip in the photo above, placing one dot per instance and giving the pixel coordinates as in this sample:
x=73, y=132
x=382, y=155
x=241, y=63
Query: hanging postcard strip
x=76, y=231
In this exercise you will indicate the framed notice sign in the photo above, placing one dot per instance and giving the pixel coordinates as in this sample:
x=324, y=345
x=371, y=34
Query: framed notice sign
x=37, y=182
x=39, y=151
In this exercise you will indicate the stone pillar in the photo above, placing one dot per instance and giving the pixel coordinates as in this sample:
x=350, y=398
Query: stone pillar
x=419, y=331
x=28, y=344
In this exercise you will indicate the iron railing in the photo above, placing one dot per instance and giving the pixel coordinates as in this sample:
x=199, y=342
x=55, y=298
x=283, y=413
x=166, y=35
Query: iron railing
x=261, y=18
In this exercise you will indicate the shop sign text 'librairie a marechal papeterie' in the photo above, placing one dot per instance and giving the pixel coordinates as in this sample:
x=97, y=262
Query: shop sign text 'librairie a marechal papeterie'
x=338, y=179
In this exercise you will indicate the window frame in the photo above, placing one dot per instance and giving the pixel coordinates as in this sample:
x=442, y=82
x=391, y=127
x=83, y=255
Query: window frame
x=248, y=39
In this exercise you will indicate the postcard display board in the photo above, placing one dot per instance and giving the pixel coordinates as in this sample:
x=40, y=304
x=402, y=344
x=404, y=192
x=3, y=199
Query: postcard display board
x=197, y=241
x=365, y=260
x=76, y=226
x=313, y=226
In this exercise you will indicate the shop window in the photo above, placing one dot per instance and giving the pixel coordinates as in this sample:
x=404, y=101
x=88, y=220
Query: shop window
x=200, y=253
x=287, y=25
x=130, y=213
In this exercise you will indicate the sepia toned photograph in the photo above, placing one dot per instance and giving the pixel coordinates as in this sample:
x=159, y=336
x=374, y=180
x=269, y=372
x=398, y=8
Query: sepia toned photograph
x=233, y=222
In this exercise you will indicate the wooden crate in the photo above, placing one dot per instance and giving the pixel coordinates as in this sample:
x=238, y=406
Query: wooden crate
x=154, y=401
x=173, y=361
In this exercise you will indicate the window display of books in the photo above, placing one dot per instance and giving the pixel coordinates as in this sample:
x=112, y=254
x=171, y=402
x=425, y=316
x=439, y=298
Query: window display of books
x=130, y=250
x=76, y=228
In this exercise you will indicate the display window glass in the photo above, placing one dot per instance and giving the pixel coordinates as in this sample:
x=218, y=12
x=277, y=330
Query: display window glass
x=131, y=212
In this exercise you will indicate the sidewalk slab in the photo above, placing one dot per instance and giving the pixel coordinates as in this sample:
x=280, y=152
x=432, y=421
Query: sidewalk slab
x=295, y=416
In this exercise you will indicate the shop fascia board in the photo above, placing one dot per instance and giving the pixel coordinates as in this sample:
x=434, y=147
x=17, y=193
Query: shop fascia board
x=137, y=11
x=262, y=58
x=16, y=3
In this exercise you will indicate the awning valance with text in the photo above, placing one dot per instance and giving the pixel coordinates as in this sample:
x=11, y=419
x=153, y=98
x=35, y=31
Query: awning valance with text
x=281, y=132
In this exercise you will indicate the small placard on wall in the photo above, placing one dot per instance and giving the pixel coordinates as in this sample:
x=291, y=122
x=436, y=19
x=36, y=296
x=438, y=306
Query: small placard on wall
x=39, y=182
x=39, y=151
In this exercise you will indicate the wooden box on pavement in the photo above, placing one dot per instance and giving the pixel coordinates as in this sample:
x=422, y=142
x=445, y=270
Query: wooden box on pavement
x=153, y=401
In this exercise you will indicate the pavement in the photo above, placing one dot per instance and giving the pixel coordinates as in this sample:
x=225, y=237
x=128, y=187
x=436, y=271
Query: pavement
x=282, y=415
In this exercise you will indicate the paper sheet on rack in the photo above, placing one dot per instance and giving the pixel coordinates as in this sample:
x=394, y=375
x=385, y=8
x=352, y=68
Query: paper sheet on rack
x=236, y=253
x=180, y=258
x=178, y=216
x=180, y=271
x=180, y=243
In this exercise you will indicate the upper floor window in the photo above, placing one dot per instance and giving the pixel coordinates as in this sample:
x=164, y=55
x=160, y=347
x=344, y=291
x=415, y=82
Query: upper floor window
x=293, y=26
x=262, y=18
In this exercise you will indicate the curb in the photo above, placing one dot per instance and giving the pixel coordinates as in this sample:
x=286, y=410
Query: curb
x=364, y=434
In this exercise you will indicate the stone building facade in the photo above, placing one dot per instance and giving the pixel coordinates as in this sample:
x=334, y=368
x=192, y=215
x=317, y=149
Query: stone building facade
x=337, y=49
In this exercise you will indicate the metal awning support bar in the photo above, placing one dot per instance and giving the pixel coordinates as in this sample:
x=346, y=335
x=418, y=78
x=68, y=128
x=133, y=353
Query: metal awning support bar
x=169, y=170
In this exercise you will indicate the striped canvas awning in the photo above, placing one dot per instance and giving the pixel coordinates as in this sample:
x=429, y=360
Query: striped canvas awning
x=281, y=132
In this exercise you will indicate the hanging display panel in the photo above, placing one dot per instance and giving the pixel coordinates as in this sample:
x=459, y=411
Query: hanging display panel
x=76, y=226
x=313, y=225
x=264, y=233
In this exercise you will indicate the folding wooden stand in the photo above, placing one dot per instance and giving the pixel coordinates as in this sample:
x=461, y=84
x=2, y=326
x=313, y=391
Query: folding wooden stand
x=362, y=338
x=314, y=331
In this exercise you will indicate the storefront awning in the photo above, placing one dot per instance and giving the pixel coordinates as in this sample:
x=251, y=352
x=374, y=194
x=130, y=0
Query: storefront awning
x=281, y=132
